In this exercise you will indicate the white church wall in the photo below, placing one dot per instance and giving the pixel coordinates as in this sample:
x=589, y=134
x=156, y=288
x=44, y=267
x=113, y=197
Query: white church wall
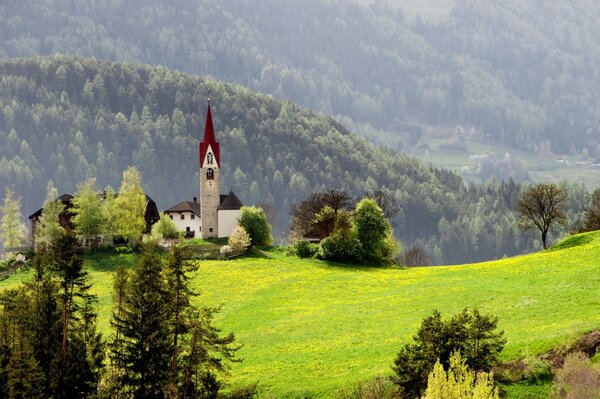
x=228, y=219
x=187, y=221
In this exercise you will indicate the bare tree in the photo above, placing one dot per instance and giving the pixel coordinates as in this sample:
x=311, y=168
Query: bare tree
x=416, y=256
x=542, y=207
x=303, y=214
x=387, y=202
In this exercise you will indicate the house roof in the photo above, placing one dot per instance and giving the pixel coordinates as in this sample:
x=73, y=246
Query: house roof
x=230, y=202
x=209, y=140
x=65, y=199
x=186, y=206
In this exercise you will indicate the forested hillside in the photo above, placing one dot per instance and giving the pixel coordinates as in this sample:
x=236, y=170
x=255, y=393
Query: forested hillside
x=65, y=118
x=522, y=73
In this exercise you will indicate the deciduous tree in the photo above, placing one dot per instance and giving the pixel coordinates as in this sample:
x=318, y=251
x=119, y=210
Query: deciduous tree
x=12, y=229
x=131, y=206
x=542, y=207
x=87, y=211
x=254, y=221
x=48, y=226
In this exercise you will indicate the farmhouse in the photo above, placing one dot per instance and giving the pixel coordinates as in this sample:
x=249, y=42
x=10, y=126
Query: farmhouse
x=151, y=214
x=216, y=215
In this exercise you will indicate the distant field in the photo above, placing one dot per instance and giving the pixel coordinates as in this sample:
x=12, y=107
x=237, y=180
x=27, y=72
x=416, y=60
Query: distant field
x=309, y=327
x=432, y=10
x=541, y=168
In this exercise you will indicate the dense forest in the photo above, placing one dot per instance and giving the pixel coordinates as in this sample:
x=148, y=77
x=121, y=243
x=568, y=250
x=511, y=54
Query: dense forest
x=64, y=119
x=389, y=76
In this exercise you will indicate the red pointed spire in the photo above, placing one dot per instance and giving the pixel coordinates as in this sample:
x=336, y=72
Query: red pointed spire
x=209, y=140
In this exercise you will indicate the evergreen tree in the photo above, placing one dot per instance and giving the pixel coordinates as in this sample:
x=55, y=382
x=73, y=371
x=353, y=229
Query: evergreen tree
x=87, y=217
x=592, y=215
x=144, y=346
x=131, y=206
x=12, y=229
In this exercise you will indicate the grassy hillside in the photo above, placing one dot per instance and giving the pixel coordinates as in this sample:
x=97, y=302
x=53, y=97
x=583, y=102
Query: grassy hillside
x=309, y=327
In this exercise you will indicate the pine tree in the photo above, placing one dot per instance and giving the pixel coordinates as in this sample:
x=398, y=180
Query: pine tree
x=144, y=346
x=12, y=229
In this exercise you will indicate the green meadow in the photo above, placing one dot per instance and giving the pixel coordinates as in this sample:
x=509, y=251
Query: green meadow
x=309, y=327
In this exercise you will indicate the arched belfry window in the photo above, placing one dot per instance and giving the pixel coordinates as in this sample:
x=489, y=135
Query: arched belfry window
x=210, y=158
x=210, y=174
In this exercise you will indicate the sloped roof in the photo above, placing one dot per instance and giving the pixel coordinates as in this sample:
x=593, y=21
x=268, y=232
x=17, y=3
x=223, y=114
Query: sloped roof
x=209, y=140
x=230, y=202
x=66, y=199
x=186, y=206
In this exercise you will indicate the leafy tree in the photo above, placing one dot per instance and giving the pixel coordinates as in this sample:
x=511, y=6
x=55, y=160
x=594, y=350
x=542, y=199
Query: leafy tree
x=144, y=346
x=542, y=207
x=373, y=231
x=87, y=211
x=343, y=244
x=592, y=215
x=12, y=229
x=306, y=223
x=239, y=240
x=164, y=228
x=131, y=206
x=254, y=221
x=471, y=333
x=109, y=212
x=459, y=382
x=48, y=227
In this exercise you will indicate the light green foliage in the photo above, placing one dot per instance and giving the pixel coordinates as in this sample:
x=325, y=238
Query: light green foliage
x=131, y=206
x=87, y=210
x=164, y=228
x=254, y=220
x=374, y=232
x=459, y=382
x=239, y=239
x=108, y=209
x=12, y=229
x=48, y=226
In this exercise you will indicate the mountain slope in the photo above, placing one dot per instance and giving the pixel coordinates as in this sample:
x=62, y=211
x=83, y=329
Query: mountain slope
x=64, y=118
x=310, y=328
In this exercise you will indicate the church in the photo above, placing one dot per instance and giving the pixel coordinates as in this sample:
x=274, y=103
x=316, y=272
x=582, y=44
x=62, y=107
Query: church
x=216, y=214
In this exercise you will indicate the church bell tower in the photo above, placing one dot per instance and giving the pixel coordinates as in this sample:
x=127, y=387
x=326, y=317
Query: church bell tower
x=210, y=179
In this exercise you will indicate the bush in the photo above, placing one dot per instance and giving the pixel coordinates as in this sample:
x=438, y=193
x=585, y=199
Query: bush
x=164, y=228
x=340, y=248
x=305, y=249
x=577, y=379
x=379, y=387
x=416, y=256
x=239, y=240
x=254, y=220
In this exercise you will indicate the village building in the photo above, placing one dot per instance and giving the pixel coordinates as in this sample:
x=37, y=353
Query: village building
x=216, y=214
x=151, y=214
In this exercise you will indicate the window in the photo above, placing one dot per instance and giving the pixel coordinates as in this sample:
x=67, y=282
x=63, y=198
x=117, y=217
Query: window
x=182, y=217
x=187, y=228
x=193, y=216
x=210, y=158
x=210, y=230
x=171, y=216
x=210, y=174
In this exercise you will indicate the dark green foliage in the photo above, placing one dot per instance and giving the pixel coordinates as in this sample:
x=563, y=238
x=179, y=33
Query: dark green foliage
x=305, y=249
x=470, y=332
x=372, y=229
x=144, y=346
x=315, y=216
x=254, y=220
x=136, y=116
x=341, y=248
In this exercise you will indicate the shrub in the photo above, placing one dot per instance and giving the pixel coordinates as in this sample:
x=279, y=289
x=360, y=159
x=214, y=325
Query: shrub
x=577, y=379
x=225, y=250
x=379, y=387
x=305, y=249
x=416, y=256
x=164, y=228
x=239, y=240
x=339, y=247
x=254, y=220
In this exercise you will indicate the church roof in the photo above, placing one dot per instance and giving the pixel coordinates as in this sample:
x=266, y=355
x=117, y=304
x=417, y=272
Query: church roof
x=209, y=139
x=230, y=202
x=186, y=206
